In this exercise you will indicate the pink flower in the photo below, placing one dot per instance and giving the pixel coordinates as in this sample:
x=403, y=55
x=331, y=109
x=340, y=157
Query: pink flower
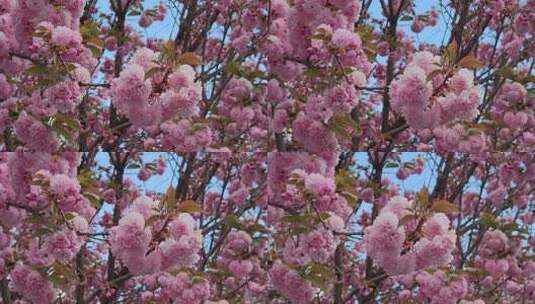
x=275, y=93
x=341, y=3
x=182, y=252
x=425, y=60
x=496, y=268
x=463, y=80
x=145, y=20
x=417, y=25
x=64, y=185
x=398, y=205
x=315, y=137
x=144, y=174
x=35, y=134
x=438, y=224
x=182, y=103
x=497, y=195
x=184, y=76
x=515, y=120
x=435, y=251
x=320, y=245
x=513, y=92
x=241, y=269
x=6, y=88
x=183, y=136
x=239, y=196
x=145, y=206
x=110, y=43
x=411, y=90
x=457, y=107
x=184, y=224
x=67, y=38
x=145, y=58
x=131, y=93
x=31, y=285
x=346, y=40
x=294, y=254
x=182, y=288
x=290, y=284
x=384, y=238
x=80, y=224
x=319, y=184
x=63, y=245
x=494, y=242
x=130, y=238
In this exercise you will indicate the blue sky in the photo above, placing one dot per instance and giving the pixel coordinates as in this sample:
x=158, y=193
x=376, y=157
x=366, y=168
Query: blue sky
x=160, y=183
x=167, y=28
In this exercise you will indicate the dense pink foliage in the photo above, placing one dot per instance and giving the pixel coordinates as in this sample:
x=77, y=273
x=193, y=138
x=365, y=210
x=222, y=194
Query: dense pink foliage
x=319, y=151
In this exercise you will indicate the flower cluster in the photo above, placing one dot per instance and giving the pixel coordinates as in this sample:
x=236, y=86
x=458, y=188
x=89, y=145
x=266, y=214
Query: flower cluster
x=385, y=240
x=131, y=92
x=186, y=136
x=292, y=286
x=32, y=284
x=182, y=288
x=130, y=240
x=437, y=288
x=412, y=93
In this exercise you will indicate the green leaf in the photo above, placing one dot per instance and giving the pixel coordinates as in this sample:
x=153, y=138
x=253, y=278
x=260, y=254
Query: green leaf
x=391, y=165
x=37, y=70
x=152, y=72
x=134, y=13
x=38, y=220
x=232, y=221
x=133, y=166
x=365, y=32
x=422, y=199
x=169, y=199
x=506, y=72
x=346, y=185
x=323, y=216
x=452, y=51
x=406, y=219
x=65, y=126
x=69, y=216
x=509, y=227
x=254, y=228
x=433, y=74
x=313, y=72
x=318, y=274
x=470, y=62
x=90, y=29
x=296, y=219
x=444, y=206
x=190, y=58
x=198, y=126
x=351, y=197
x=168, y=53
x=94, y=198
x=300, y=230
x=189, y=206
x=488, y=220
x=61, y=275
x=233, y=68
x=343, y=126
x=96, y=51
x=410, y=165
x=42, y=232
